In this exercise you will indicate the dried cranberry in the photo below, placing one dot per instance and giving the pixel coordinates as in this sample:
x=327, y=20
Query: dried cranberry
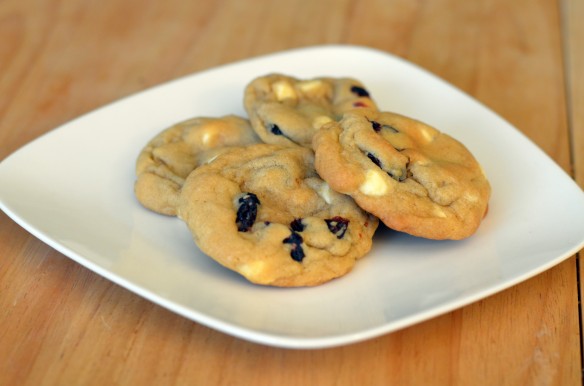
x=376, y=126
x=338, y=226
x=275, y=129
x=296, y=225
x=360, y=91
x=374, y=159
x=295, y=240
x=247, y=211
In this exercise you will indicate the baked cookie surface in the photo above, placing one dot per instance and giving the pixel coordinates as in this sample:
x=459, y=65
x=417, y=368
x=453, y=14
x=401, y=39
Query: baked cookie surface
x=167, y=159
x=414, y=178
x=287, y=111
x=263, y=212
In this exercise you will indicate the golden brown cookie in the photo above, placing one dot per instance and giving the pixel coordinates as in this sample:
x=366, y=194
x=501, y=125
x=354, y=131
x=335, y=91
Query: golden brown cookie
x=170, y=156
x=263, y=212
x=287, y=111
x=413, y=177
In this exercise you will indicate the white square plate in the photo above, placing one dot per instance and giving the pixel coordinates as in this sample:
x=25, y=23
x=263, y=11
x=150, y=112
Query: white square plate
x=73, y=189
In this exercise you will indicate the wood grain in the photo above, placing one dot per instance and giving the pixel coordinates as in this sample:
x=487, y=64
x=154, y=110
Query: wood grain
x=574, y=38
x=574, y=44
x=62, y=324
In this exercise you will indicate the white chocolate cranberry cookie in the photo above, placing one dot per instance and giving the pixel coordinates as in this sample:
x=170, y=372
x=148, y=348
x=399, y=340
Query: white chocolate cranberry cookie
x=287, y=111
x=262, y=211
x=170, y=156
x=413, y=177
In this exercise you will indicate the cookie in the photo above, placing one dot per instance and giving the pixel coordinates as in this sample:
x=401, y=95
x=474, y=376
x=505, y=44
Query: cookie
x=170, y=156
x=262, y=211
x=413, y=177
x=287, y=111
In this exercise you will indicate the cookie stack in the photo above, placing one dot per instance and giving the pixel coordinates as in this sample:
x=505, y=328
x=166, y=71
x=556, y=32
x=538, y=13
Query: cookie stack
x=292, y=195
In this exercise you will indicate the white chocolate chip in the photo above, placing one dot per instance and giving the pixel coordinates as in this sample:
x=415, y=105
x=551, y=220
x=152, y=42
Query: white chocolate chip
x=310, y=85
x=319, y=121
x=325, y=193
x=283, y=90
x=252, y=269
x=438, y=212
x=428, y=136
x=210, y=159
x=207, y=136
x=471, y=197
x=375, y=184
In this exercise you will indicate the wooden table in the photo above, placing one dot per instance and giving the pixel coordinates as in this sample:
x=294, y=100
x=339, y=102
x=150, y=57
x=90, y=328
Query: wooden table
x=62, y=324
